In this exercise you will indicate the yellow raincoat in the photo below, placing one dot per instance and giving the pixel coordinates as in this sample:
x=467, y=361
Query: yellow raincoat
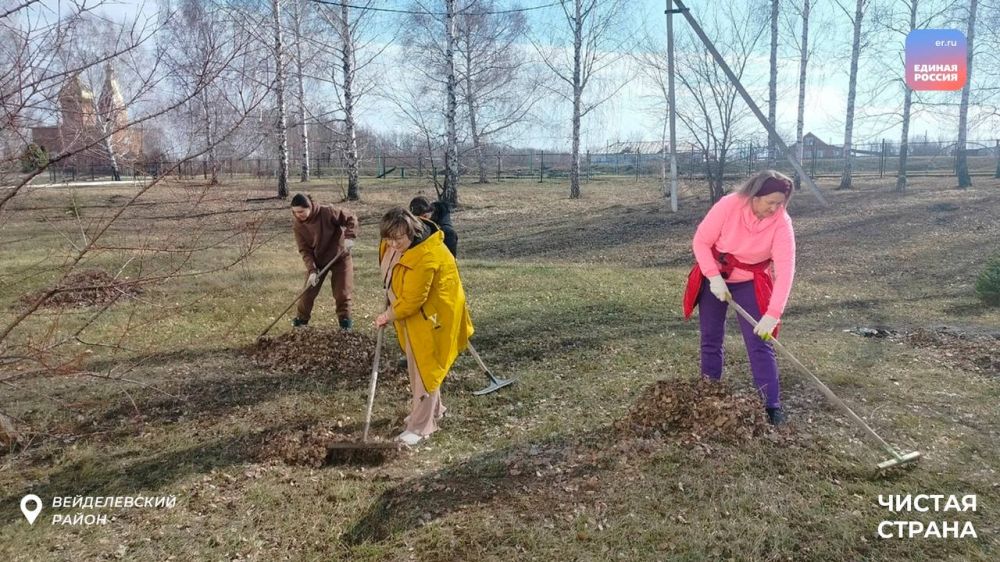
x=430, y=307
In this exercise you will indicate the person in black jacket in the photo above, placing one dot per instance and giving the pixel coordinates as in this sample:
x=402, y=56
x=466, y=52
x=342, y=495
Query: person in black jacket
x=442, y=217
x=438, y=213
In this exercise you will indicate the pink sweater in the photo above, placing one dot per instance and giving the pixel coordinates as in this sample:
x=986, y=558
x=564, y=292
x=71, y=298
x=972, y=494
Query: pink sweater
x=732, y=228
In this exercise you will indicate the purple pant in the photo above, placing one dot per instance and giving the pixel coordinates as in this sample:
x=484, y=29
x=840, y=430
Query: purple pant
x=712, y=317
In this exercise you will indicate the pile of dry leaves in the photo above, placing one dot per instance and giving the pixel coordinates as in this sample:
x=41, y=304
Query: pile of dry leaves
x=91, y=287
x=978, y=352
x=320, y=351
x=311, y=446
x=689, y=411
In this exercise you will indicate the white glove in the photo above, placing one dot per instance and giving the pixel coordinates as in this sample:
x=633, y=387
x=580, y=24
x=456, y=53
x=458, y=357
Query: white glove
x=349, y=243
x=766, y=327
x=313, y=279
x=717, y=285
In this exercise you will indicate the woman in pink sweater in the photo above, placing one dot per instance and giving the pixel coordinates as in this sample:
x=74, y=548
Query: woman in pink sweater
x=745, y=251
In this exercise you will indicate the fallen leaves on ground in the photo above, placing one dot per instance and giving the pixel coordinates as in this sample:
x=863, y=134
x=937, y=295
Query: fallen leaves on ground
x=91, y=287
x=312, y=446
x=320, y=351
x=979, y=352
x=692, y=411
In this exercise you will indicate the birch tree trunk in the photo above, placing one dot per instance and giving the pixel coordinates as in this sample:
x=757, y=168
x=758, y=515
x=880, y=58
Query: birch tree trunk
x=961, y=163
x=300, y=84
x=213, y=164
x=574, y=174
x=350, y=130
x=470, y=99
x=852, y=90
x=279, y=90
x=904, y=141
x=109, y=147
x=803, y=64
x=772, y=85
x=450, y=194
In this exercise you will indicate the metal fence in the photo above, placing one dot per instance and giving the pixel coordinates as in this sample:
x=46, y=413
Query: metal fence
x=869, y=160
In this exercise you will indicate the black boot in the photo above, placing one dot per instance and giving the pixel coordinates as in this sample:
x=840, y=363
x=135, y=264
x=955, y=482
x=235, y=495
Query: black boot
x=299, y=323
x=346, y=324
x=776, y=416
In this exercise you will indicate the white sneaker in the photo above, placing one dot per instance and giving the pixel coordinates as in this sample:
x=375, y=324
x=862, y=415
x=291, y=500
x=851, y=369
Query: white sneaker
x=410, y=438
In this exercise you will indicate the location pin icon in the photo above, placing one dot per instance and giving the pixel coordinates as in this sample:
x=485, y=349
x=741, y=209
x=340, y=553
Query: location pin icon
x=31, y=514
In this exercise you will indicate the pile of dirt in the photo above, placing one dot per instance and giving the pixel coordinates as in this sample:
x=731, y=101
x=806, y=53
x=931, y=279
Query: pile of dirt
x=964, y=349
x=321, y=351
x=312, y=446
x=690, y=411
x=91, y=287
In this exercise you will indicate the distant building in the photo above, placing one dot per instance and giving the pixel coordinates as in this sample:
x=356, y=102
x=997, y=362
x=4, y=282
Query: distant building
x=83, y=124
x=811, y=144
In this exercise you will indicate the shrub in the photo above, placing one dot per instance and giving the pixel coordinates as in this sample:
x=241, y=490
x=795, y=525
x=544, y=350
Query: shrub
x=988, y=284
x=34, y=158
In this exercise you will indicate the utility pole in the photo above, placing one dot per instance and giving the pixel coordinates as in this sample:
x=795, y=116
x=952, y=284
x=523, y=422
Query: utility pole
x=749, y=101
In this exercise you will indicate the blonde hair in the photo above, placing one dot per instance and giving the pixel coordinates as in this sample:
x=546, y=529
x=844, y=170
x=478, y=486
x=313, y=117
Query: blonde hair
x=752, y=186
x=399, y=221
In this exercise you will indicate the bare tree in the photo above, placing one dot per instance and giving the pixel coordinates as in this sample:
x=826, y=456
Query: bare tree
x=491, y=74
x=197, y=28
x=655, y=65
x=43, y=55
x=279, y=92
x=803, y=65
x=961, y=162
x=144, y=260
x=416, y=104
x=904, y=141
x=592, y=27
x=852, y=89
x=299, y=12
x=772, y=85
x=348, y=71
x=988, y=38
x=710, y=113
x=901, y=19
x=450, y=192
x=339, y=66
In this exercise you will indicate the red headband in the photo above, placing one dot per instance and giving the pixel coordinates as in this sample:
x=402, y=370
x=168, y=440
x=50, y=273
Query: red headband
x=775, y=185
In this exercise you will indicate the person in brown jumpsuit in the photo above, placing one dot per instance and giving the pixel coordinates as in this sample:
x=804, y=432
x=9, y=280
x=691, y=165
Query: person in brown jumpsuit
x=323, y=233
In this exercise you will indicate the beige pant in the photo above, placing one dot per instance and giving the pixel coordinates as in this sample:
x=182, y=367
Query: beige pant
x=426, y=409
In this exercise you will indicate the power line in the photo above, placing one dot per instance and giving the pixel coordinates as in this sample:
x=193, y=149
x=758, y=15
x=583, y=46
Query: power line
x=425, y=13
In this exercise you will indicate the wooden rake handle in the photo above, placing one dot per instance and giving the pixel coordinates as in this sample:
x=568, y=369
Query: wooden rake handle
x=373, y=383
x=823, y=388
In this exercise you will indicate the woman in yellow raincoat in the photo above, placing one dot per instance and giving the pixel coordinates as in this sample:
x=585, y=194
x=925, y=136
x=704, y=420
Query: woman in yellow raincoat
x=427, y=307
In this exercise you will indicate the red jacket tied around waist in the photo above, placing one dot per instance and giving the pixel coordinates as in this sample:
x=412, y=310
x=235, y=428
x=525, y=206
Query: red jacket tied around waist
x=731, y=240
x=763, y=286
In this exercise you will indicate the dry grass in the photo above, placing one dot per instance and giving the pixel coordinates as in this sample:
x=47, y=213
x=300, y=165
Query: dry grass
x=580, y=300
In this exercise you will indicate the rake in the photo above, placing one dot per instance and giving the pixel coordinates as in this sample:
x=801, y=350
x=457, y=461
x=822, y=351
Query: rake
x=365, y=444
x=897, y=459
x=495, y=383
x=319, y=275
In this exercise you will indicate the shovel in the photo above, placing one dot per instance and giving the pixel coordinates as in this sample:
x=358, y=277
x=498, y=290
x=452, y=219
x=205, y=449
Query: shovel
x=897, y=459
